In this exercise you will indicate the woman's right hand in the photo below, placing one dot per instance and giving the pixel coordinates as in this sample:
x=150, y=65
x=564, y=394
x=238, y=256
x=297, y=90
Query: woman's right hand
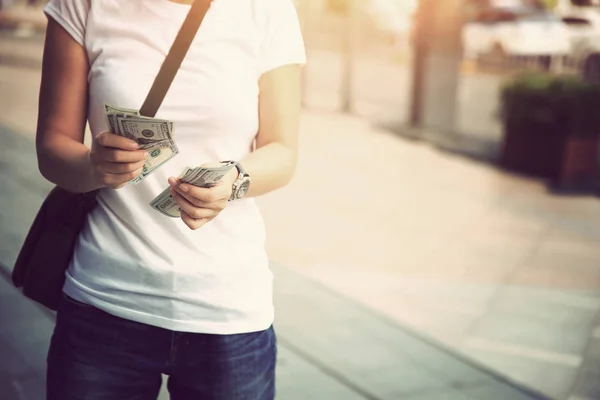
x=116, y=160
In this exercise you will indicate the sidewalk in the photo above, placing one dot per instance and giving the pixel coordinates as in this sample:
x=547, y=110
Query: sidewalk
x=488, y=264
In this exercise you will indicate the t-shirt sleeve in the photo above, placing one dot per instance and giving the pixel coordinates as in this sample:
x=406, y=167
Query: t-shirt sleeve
x=71, y=15
x=283, y=43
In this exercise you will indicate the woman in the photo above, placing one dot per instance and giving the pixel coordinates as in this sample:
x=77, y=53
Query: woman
x=146, y=294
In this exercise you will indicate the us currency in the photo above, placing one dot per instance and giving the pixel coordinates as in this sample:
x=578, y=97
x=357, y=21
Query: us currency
x=153, y=135
x=148, y=133
x=114, y=113
x=157, y=157
x=198, y=176
x=206, y=176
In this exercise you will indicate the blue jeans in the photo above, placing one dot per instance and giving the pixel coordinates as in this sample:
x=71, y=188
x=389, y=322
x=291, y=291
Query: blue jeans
x=97, y=356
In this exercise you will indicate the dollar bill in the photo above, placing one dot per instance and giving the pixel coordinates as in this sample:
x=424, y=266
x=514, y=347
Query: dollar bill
x=108, y=109
x=198, y=176
x=152, y=134
x=148, y=133
x=158, y=156
x=165, y=204
x=114, y=113
x=206, y=176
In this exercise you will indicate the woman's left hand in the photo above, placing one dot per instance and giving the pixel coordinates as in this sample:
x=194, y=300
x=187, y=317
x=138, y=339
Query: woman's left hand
x=200, y=205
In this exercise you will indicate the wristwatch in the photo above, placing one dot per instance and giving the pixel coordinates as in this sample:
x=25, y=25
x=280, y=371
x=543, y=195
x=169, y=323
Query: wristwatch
x=241, y=184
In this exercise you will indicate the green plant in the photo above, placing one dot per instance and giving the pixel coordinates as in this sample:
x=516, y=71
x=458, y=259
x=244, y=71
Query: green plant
x=551, y=105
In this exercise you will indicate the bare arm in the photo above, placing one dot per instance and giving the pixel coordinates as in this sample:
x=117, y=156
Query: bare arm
x=272, y=165
x=62, y=156
x=63, y=159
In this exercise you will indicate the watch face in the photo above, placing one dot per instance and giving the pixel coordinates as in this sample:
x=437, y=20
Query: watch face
x=243, y=189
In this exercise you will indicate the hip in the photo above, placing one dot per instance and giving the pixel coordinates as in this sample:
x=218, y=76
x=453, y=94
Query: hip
x=95, y=352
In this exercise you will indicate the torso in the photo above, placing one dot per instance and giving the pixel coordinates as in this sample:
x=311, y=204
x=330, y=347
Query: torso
x=132, y=261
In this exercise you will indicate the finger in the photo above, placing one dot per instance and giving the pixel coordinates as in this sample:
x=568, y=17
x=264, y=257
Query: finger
x=107, y=139
x=205, y=195
x=119, y=180
x=122, y=168
x=191, y=209
x=123, y=156
x=197, y=202
x=192, y=223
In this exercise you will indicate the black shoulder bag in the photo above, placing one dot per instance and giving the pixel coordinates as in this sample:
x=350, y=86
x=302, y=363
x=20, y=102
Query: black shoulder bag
x=48, y=248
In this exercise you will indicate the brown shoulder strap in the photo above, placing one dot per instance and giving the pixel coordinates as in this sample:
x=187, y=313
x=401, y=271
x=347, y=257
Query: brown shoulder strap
x=175, y=57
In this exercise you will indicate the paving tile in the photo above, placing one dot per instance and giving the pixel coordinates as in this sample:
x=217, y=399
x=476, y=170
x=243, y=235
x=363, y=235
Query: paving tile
x=34, y=349
x=576, y=318
x=443, y=394
x=576, y=298
x=495, y=392
x=30, y=387
x=456, y=373
x=422, y=355
x=164, y=392
x=12, y=359
x=19, y=312
x=483, y=246
x=340, y=346
x=540, y=335
x=544, y=211
x=7, y=387
x=402, y=381
x=473, y=268
x=298, y=379
x=25, y=331
x=578, y=273
x=593, y=351
x=445, y=309
x=551, y=379
x=445, y=327
x=588, y=384
x=566, y=243
x=27, y=328
x=20, y=204
x=19, y=161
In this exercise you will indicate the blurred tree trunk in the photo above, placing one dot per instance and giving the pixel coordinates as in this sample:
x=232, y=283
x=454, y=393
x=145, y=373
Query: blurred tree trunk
x=351, y=34
x=437, y=61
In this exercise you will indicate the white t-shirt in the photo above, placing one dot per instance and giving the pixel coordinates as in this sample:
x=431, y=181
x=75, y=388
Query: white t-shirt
x=130, y=260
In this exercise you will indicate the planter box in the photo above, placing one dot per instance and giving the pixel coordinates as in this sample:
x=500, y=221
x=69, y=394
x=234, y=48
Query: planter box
x=536, y=151
x=579, y=162
x=551, y=128
x=570, y=163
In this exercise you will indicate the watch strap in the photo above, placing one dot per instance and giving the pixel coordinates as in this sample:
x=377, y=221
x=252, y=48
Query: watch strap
x=238, y=166
x=242, y=177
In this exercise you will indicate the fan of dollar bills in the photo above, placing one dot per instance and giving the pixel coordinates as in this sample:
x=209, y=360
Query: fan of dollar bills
x=198, y=176
x=156, y=136
x=152, y=134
